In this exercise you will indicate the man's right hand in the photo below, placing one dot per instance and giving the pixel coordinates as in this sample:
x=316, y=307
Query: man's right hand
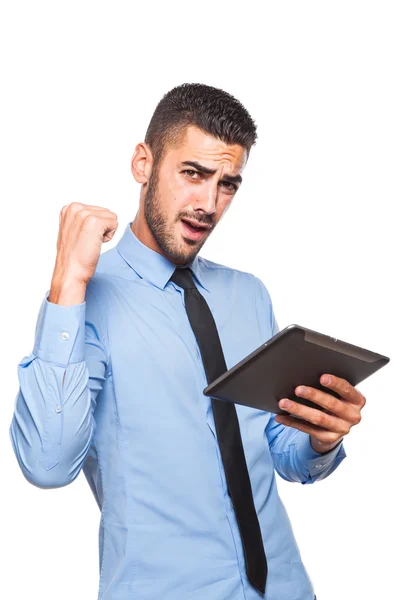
x=82, y=230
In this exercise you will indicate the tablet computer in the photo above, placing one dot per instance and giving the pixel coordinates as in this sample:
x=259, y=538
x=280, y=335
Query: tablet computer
x=294, y=356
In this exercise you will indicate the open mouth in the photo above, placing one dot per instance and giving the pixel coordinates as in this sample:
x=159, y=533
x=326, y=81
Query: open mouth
x=194, y=232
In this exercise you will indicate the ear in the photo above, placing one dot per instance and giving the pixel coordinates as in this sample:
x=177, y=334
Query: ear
x=142, y=163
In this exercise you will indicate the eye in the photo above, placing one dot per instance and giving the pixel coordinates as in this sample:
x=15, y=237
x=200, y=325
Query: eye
x=229, y=186
x=191, y=173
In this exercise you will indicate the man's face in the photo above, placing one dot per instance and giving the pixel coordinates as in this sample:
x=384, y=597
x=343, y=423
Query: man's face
x=199, y=192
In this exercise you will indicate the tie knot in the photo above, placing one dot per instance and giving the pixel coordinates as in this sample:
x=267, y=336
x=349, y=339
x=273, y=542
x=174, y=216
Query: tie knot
x=183, y=277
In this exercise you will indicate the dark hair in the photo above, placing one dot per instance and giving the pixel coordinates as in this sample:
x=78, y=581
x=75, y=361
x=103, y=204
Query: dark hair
x=211, y=109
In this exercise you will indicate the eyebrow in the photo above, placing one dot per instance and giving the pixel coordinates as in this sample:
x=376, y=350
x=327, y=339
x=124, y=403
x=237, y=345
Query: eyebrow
x=207, y=171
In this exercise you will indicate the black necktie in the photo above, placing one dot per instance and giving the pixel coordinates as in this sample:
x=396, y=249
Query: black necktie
x=227, y=427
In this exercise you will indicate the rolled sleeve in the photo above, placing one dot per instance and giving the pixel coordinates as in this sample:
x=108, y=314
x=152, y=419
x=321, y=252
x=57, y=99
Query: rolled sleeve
x=60, y=333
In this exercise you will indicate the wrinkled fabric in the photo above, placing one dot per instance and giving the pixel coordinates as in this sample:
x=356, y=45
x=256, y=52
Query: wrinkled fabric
x=114, y=387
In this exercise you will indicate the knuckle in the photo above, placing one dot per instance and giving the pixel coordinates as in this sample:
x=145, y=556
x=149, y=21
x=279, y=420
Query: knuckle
x=347, y=387
x=331, y=404
x=75, y=206
x=319, y=418
x=84, y=213
x=90, y=219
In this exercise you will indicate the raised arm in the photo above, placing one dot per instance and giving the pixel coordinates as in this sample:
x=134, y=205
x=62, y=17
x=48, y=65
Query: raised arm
x=53, y=423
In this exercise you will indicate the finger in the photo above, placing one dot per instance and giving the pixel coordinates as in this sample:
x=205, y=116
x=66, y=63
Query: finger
x=344, y=389
x=68, y=211
x=315, y=416
x=86, y=218
x=330, y=403
x=323, y=435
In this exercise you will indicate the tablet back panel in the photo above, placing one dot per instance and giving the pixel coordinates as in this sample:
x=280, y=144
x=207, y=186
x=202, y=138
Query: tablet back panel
x=295, y=356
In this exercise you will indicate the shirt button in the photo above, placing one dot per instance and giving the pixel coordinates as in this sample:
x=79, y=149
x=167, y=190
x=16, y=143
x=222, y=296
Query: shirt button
x=58, y=408
x=65, y=336
x=318, y=466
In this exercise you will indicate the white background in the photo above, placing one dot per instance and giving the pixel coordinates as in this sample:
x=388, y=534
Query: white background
x=314, y=219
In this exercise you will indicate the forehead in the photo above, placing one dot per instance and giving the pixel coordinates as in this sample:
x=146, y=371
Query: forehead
x=198, y=145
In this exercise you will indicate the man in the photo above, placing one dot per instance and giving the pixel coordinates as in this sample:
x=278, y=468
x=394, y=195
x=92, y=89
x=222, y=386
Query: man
x=124, y=345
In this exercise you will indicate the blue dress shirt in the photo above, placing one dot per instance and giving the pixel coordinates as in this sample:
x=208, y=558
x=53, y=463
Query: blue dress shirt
x=114, y=386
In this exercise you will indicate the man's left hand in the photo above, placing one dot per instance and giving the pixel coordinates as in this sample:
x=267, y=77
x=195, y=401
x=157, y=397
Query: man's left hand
x=326, y=429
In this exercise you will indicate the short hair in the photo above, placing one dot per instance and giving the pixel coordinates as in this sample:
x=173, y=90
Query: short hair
x=211, y=109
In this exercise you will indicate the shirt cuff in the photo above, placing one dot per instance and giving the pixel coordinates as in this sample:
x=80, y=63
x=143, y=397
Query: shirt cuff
x=60, y=333
x=317, y=463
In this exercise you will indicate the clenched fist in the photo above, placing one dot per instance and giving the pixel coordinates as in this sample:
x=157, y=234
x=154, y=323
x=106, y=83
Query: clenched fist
x=83, y=228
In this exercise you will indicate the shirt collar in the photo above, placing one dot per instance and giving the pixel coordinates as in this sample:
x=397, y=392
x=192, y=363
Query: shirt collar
x=151, y=265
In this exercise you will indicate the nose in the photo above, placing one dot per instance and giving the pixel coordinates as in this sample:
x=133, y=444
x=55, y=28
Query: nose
x=207, y=199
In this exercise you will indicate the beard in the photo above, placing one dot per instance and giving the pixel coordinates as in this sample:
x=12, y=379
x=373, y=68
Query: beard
x=176, y=250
